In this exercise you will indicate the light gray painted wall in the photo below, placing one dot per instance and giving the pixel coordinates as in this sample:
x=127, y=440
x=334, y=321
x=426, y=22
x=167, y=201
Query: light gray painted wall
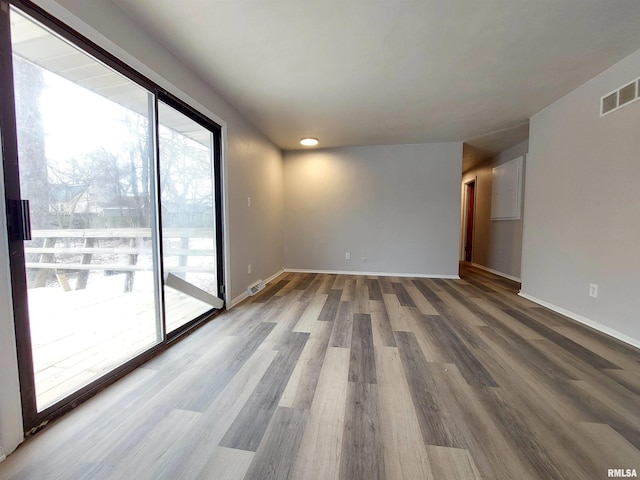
x=582, y=208
x=253, y=167
x=396, y=205
x=496, y=244
x=256, y=232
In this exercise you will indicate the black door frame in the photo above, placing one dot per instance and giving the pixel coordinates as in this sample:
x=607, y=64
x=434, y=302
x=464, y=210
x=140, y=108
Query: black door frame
x=8, y=135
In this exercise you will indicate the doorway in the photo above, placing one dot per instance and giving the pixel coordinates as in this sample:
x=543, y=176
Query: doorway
x=470, y=204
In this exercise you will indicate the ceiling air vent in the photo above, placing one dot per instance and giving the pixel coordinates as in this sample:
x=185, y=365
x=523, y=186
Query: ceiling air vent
x=620, y=98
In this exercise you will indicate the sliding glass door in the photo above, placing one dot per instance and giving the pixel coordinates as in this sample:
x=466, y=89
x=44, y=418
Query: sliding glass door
x=188, y=197
x=84, y=161
x=112, y=188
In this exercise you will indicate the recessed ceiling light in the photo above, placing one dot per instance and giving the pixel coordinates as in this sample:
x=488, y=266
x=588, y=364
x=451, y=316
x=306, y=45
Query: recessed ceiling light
x=309, y=141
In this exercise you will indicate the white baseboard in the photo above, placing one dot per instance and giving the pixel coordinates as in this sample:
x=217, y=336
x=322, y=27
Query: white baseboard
x=375, y=274
x=496, y=272
x=244, y=295
x=584, y=320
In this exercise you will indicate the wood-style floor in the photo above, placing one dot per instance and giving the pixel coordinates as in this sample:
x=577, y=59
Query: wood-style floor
x=352, y=377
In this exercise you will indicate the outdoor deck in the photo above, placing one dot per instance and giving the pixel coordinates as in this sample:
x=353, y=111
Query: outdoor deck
x=91, y=300
x=79, y=335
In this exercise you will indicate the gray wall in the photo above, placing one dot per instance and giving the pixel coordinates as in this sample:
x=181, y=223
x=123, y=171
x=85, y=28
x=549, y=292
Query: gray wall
x=397, y=205
x=496, y=244
x=582, y=207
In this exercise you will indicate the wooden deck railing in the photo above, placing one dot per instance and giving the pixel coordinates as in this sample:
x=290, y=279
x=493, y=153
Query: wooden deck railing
x=55, y=253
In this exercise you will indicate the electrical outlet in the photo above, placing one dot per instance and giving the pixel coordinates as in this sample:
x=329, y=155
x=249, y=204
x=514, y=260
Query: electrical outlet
x=249, y=269
x=593, y=290
x=248, y=201
x=364, y=259
x=347, y=255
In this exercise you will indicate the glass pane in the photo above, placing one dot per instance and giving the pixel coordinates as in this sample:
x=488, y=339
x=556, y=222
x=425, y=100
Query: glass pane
x=188, y=227
x=85, y=154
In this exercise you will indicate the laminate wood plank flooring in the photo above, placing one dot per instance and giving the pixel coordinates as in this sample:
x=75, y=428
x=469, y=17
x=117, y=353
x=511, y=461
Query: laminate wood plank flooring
x=321, y=447
x=342, y=326
x=279, y=446
x=431, y=408
x=375, y=291
x=227, y=463
x=406, y=457
x=382, y=331
x=330, y=307
x=362, y=366
x=246, y=431
x=362, y=441
x=361, y=377
x=301, y=388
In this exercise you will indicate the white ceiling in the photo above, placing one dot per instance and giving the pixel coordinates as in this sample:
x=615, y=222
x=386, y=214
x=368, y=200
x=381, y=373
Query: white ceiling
x=368, y=72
